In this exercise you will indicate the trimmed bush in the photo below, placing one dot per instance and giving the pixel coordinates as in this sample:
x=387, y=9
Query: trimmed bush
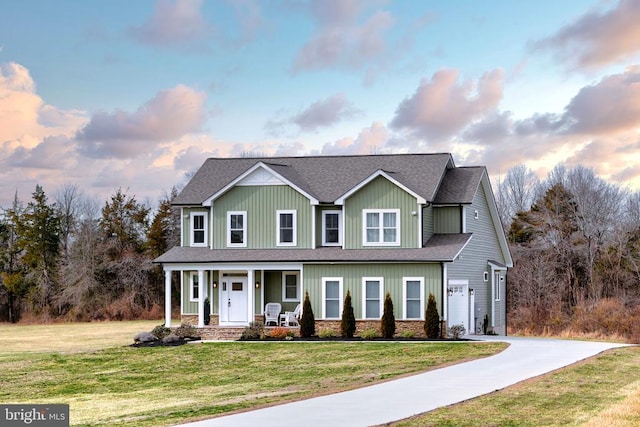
x=432, y=319
x=326, y=333
x=369, y=334
x=308, y=320
x=186, y=331
x=407, y=334
x=161, y=331
x=388, y=322
x=348, y=322
x=207, y=311
x=456, y=331
x=280, y=333
x=254, y=331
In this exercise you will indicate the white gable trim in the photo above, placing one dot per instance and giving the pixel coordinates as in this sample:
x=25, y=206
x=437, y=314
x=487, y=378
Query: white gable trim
x=379, y=172
x=240, y=180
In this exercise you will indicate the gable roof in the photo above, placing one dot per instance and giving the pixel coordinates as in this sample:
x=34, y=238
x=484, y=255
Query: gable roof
x=459, y=185
x=321, y=178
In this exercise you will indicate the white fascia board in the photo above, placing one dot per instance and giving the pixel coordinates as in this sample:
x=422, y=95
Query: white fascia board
x=262, y=165
x=379, y=172
x=455, y=257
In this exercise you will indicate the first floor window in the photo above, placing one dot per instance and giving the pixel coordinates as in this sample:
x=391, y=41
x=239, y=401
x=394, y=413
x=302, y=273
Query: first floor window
x=381, y=227
x=286, y=228
x=413, y=297
x=236, y=228
x=372, y=291
x=194, y=293
x=198, y=229
x=290, y=286
x=332, y=298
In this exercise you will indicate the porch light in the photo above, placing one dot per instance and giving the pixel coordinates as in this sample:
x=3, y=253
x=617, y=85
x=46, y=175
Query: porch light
x=257, y=285
x=472, y=292
x=450, y=292
x=215, y=285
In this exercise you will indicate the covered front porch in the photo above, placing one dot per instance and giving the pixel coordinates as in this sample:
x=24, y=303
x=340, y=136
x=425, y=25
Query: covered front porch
x=234, y=295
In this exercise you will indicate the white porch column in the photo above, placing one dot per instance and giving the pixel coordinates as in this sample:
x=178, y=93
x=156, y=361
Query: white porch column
x=167, y=298
x=201, y=292
x=251, y=295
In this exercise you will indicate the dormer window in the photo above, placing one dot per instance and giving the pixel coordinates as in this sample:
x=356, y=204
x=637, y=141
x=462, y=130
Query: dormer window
x=198, y=229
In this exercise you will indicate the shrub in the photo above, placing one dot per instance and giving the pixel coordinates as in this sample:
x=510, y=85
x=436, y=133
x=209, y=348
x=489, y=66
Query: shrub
x=254, y=331
x=388, y=322
x=348, y=321
x=369, y=334
x=186, y=331
x=408, y=334
x=161, y=331
x=280, y=333
x=326, y=333
x=456, y=331
x=432, y=319
x=207, y=311
x=308, y=321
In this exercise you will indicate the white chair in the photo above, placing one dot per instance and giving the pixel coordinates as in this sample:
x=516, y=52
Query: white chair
x=272, y=313
x=292, y=318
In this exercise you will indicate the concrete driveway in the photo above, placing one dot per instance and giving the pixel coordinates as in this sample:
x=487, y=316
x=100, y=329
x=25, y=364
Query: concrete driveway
x=394, y=400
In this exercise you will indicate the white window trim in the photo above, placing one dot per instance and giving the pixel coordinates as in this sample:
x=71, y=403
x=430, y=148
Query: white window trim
x=324, y=296
x=404, y=297
x=381, y=212
x=324, y=228
x=295, y=227
x=205, y=229
x=380, y=280
x=244, y=229
x=284, y=286
x=192, y=275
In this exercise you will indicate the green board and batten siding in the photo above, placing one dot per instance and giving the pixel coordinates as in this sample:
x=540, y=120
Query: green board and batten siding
x=261, y=204
x=352, y=275
x=381, y=194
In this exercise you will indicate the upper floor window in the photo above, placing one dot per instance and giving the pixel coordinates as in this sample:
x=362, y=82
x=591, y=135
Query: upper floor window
x=331, y=235
x=237, y=229
x=372, y=288
x=286, y=228
x=381, y=227
x=198, y=229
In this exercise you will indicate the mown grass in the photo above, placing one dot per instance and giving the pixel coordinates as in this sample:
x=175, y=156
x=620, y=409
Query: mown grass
x=121, y=385
x=602, y=391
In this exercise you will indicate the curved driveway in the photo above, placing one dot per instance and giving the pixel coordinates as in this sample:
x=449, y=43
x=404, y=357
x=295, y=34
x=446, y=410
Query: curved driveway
x=394, y=400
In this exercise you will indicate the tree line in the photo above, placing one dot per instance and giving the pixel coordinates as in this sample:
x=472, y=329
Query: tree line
x=575, y=240
x=574, y=237
x=73, y=259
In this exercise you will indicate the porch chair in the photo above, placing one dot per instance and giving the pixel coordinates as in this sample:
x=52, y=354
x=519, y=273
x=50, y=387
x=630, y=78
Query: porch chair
x=272, y=313
x=292, y=318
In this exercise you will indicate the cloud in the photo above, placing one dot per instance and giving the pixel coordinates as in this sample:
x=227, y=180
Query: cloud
x=347, y=35
x=176, y=24
x=442, y=106
x=169, y=115
x=611, y=105
x=54, y=152
x=371, y=140
x=598, y=38
x=323, y=113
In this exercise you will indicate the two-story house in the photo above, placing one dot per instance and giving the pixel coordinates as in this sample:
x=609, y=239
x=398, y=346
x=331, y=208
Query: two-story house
x=260, y=230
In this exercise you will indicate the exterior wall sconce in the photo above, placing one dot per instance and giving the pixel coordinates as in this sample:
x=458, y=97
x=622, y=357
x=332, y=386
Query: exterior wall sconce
x=450, y=292
x=257, y=285
x=215, y=285
x=472, y=292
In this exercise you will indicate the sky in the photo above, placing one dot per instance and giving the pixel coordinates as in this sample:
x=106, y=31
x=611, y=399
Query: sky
x=135, y=95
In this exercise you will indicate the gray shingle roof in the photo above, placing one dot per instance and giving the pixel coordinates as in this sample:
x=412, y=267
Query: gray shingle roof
x=459, y=185
x=440, y=248
x=325, y=178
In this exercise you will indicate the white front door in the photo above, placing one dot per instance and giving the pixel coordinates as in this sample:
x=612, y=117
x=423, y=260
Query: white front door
x=458, y=291
x=233, y=300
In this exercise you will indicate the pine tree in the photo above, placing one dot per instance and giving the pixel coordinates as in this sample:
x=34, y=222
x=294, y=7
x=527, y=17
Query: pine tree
x=308, y=321
x=432, y=319
x=388, y=322
x=348, y=321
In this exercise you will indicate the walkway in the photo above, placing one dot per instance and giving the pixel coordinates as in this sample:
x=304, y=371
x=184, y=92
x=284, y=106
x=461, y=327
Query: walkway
x=398, y=399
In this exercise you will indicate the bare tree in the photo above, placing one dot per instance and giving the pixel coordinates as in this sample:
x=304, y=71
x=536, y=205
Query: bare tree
x=516, y=193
